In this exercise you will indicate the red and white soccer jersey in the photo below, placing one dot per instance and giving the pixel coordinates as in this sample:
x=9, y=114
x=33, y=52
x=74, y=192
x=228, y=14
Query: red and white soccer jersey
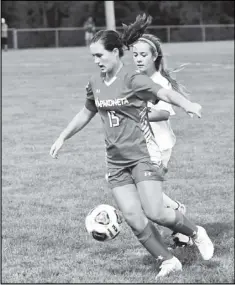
x=121, y=105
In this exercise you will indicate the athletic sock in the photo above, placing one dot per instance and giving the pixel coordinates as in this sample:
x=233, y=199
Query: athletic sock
x=183, y=225
x=152, y=241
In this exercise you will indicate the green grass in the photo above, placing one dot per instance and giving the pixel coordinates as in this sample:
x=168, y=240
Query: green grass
x=45, y=201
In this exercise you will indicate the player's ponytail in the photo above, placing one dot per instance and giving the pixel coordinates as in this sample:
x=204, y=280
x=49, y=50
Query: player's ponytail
x=135, y=30
x=174, y=83
x=112, y=39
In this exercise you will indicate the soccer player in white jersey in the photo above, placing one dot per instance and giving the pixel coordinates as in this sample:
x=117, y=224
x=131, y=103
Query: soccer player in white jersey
x=120, y=96
x=148, y=58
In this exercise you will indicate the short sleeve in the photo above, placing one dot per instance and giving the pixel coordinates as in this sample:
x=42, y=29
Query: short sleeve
x=144, y=87
x=90, y=99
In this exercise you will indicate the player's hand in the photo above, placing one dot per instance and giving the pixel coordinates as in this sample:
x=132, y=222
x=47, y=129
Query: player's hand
x=194, y=109
x=56, y=147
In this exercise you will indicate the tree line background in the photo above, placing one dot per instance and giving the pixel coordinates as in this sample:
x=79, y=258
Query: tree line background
x=43, y=14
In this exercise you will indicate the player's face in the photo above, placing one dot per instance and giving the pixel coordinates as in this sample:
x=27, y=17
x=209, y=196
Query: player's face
x=106, y=60
x=143, y=57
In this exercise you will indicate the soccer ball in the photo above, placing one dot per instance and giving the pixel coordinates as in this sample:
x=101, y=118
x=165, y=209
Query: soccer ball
x=103, y=222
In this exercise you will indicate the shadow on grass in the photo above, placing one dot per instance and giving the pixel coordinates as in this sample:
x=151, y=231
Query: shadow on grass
x=188, y=255
x=218, y=229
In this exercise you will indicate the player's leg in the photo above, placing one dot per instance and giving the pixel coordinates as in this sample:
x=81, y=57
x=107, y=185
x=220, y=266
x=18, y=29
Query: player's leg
x=149, y=178
x=128, y=202
x=150, y=191
x=179, y=240
x=2, y=42
x=90, y=37
x=87, y=38
x=166, y=155
x=6, y=44
x=168, y=202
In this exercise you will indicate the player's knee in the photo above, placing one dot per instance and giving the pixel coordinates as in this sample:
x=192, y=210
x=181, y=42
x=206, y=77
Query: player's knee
x=156, y=214
x=136, y=221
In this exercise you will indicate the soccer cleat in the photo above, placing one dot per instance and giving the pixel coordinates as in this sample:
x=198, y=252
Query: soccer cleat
x=204, y=243
x=168, y=266
x=181, y=240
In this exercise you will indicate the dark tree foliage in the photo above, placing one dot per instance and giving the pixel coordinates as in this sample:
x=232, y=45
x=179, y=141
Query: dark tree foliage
x=36, y=14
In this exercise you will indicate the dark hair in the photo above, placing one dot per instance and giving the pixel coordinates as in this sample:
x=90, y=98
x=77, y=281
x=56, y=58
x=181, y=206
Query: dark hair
x=161, y=65
x=112, y=39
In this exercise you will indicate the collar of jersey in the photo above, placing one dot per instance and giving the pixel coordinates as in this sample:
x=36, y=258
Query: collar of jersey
x=114, y=78
x=110, y=81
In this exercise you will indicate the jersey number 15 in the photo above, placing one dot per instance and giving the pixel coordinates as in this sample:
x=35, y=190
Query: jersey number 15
x=113, y=119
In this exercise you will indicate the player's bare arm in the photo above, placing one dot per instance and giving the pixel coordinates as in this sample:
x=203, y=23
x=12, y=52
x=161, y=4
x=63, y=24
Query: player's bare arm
x=158, y=115
x=175, y=98
x=147, y=90
x=77, y=124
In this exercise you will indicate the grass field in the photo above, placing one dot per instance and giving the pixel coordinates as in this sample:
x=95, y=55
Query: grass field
x=45, y=201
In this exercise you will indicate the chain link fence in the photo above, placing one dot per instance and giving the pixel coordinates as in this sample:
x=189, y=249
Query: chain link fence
x=69, y=37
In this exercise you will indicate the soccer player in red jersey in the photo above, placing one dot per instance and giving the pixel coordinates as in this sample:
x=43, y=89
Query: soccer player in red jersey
x=120, y=97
